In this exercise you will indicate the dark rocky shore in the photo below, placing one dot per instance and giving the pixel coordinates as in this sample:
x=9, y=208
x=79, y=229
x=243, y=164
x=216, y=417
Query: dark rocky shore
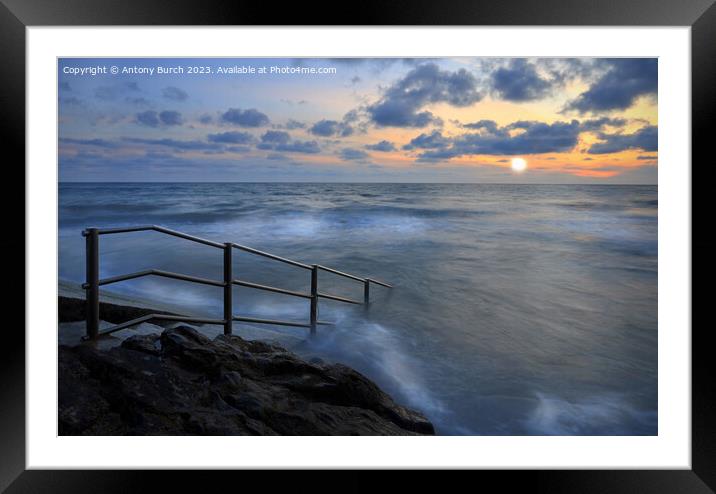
x=180, y=382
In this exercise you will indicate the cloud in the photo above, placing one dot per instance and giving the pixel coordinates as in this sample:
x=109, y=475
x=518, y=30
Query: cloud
x=375, y=65
x=102, y=143
x=564, y=70
x=350, y=154
x=109, y=118
x=434, y=140
x=521, y=137
x=294, y=124
x=307, y=147
x=171, y=117
x=325, y=128
x=238, y=149
x=646, y=157
x=277, y=140
x=137, y=101
x=174, y=93
x=114, y=91
x=329, y=128
x=425, y=84
x=384, y=146
x=646, y=139
x=149, y=118
x=618, y=88
x=351, y=117
x=273, y=137
x=600, y=123
x=489, y=125
x=519, y=81
x=233, y=137
x=245, y=118
x=175, y=144
x=292, y=102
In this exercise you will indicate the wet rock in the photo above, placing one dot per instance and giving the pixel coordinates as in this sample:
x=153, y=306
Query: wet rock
x=144, y=343
x=183, y=383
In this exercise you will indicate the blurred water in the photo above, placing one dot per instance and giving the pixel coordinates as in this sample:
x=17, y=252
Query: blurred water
x=517, y=309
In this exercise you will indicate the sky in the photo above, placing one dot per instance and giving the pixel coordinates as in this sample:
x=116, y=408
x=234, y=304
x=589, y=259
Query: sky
x=569, y=120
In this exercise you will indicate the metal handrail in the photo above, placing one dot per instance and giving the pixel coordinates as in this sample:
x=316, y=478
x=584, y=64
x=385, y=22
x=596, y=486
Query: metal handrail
x=341, y=273
x=156, y=272
x=271, y=289
x=156, y=228
x=353, y=277
x=93, y=283
x=270, y=256
x=337, y=298
x=167, y=317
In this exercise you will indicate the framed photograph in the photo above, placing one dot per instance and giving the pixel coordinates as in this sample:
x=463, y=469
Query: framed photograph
x=433, y=238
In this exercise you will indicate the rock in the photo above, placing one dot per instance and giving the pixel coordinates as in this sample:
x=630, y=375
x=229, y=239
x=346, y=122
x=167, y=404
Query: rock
x=148, y=343
x=183, y=383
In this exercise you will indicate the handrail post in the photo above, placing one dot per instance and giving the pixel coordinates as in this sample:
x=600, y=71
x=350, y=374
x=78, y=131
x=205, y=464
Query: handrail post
x=366, y=293
x=314, y=298
x=228, y=285
x=92, y=278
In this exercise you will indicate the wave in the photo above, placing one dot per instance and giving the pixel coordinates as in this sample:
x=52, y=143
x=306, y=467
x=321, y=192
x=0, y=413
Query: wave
x=608, y=414
x=376, y=351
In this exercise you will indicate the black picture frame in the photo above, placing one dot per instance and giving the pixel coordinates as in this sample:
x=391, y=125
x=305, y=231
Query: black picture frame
x=16, y=15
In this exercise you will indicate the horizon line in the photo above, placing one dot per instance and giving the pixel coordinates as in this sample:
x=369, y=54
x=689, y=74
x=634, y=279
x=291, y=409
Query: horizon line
x=346, y=183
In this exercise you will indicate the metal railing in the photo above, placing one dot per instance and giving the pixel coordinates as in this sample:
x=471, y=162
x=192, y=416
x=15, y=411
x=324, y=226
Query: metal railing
x=93, y=282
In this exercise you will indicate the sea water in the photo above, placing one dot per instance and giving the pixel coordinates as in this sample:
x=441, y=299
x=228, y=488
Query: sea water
x=516, y=309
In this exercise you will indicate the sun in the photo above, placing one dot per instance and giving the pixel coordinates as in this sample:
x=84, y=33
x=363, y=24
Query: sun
x=519, y=165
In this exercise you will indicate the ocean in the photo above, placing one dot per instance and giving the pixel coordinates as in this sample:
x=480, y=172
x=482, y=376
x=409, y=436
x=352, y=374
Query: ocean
x=516, y=309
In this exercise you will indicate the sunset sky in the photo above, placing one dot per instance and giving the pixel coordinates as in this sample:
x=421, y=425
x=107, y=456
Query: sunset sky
x=359, y=120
